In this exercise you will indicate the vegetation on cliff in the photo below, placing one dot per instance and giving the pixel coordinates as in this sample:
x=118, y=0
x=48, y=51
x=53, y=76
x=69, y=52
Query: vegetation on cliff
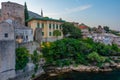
x=22, y=58
x=78, y=51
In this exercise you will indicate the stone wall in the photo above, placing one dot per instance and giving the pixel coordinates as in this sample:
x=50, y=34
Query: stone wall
x=27, y=75
x=12, y=11
x=31, y=46
x=7, y=59
x=6, y=29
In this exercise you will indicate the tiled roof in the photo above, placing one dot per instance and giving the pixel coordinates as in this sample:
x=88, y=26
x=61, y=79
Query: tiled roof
x=83, y=27
x=45, y=19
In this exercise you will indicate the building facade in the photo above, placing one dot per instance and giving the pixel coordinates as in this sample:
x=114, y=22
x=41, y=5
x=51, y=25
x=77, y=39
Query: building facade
x=84, y=29
x=48, y=26
x=23, y=34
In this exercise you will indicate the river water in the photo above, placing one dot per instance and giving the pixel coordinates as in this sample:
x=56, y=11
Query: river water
x=115, y=75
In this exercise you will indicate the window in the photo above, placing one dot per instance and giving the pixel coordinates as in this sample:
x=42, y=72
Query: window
x=53, y=26
x=38, y=25
x=42, y=25
x=22, y=37
x=26, y=37
x=6, y=35
x=60, y=27
x=42, y=33
x=50, y=33
x=16, y=37
x=49, y=26
x=56, y=26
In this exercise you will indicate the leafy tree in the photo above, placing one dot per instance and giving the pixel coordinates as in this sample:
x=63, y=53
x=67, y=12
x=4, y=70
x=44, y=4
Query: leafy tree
x=26, y=13
x=106, y=28
x=81, y=59
x=22, y=58
x=95, y=57
x=69, y=30
x=57, y=33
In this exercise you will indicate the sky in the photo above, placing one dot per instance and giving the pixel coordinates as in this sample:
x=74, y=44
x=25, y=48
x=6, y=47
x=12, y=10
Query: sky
x=89, y=12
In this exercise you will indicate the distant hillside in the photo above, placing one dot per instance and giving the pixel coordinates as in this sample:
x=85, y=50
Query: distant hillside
x=31, y=14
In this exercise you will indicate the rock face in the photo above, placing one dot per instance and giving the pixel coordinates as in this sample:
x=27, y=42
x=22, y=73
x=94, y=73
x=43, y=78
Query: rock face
x=7, y=51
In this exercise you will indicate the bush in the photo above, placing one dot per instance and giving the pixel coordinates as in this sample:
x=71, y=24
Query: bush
x=95, y=57
x=22, y=58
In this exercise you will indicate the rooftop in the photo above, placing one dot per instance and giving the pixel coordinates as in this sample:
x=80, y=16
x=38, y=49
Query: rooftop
x=46, y=19
x=83, y=26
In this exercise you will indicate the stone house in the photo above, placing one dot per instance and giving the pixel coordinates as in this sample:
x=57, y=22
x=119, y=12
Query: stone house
x=84, y=29
x=23, y=34
x=105, y=38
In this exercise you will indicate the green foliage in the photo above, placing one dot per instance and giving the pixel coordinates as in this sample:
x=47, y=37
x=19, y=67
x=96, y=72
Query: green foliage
x=57, y=33
x=95, y=57
x=26, y=13
x=33, y=76
x=36, y=67
x=106, y=28
x=22, y=58
x=81, y=59
x=115, y=32
x=69, y=30
x=77, y=51
x=35, y=57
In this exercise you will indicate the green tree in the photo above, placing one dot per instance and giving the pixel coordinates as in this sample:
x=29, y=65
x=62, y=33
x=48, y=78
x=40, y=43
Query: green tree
x=57, y=33
x=95, y=57
x=69, y=30
x=26, y=13
x=22, y=58
x=106, y=28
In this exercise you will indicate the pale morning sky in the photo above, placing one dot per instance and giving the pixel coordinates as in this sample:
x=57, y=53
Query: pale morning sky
x=90, y=12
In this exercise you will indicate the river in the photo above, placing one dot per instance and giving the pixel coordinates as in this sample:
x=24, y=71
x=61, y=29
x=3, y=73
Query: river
x=73, y=75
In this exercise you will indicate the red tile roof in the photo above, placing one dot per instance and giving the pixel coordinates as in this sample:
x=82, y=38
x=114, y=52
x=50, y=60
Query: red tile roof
x=83, y=27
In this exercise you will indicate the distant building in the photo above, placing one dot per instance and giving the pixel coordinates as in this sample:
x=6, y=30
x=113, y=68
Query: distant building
x=84, y=29
x=48, y=25
x=117, y=40
x=105, y=38
x=7, y=50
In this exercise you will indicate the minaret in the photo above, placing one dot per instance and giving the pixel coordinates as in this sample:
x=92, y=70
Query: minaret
x=41, y=12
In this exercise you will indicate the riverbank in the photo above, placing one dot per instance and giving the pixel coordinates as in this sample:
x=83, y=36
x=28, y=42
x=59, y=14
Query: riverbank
x=75, y=75
x=53, y=71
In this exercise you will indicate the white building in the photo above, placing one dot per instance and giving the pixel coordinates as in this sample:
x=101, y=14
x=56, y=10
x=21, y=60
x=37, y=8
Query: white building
x=23, y=34
x=105, y=38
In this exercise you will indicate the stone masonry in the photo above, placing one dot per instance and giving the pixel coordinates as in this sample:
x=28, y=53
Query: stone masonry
x=12, y=11
x=7, y=51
